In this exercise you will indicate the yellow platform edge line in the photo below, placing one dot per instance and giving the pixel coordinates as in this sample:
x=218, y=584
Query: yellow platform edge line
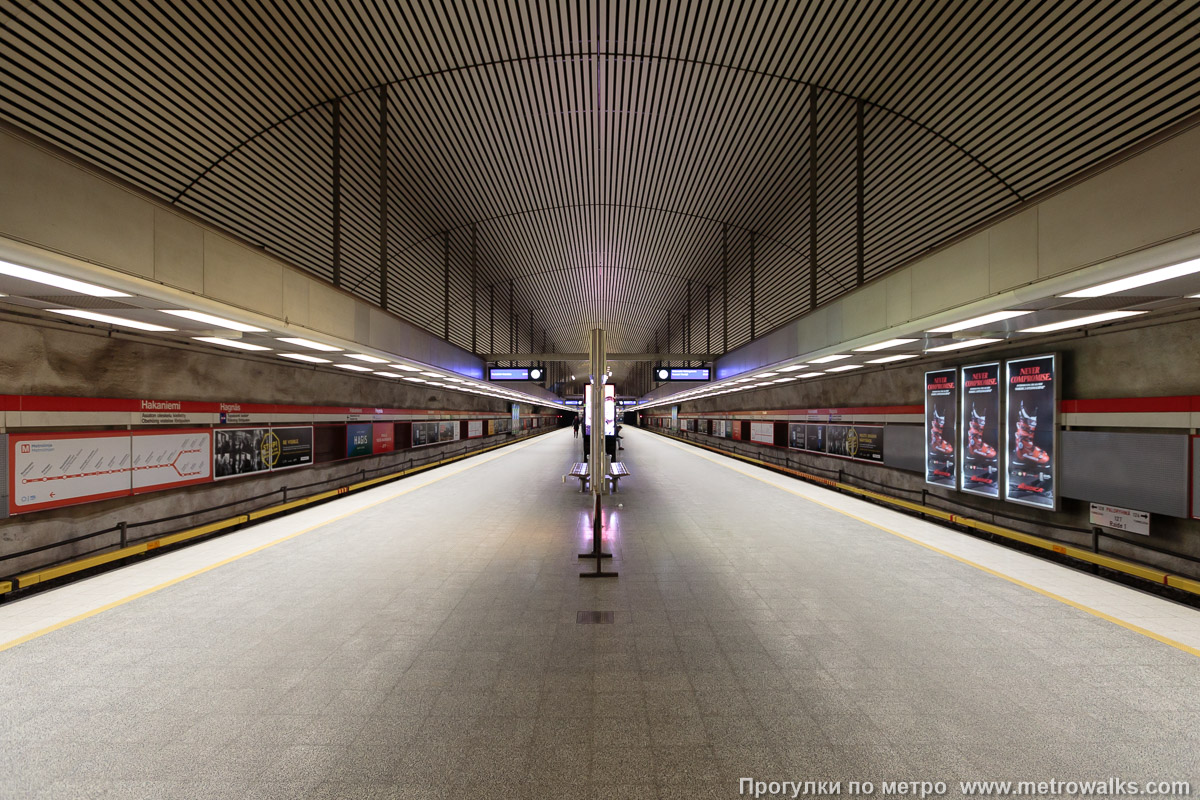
x=1017, y=581
x=49, y=573
x=130, y=598
x=1147, y=573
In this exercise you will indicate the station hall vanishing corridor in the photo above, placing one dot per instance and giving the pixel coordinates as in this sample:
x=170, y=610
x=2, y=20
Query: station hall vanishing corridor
x=428, y=646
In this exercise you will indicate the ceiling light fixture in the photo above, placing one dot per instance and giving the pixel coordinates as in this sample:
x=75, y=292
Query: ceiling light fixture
x=792, y=368
x=119, y=321
x=1134, y=281
x=976, y=322
x=389, y=374
x=415, y=380
x=890, y=359
x=235, y=343
x=58, y=281
x=432, y=375
x=405, y=367
x=766, y=374
x=871, y=348
x=827, y=359
x=353, y=367
x=811, y=375
x=961, y=345
x=368, y=359
x=845, y=367
x=304, y=357
x=209, y=319
x=311, y=345
x=1079, y=322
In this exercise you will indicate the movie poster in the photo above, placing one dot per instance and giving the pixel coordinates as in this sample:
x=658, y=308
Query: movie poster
x=796, y=435
x=979, y=433
x=941, y=407
x=1030, y=436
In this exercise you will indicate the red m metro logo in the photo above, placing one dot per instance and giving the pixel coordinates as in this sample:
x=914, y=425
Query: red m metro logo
x=24, y=447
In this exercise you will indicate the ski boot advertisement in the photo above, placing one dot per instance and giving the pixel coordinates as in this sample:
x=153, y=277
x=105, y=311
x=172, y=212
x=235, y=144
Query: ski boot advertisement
x=941, y=404
x=1031, y=444
x=980, y=444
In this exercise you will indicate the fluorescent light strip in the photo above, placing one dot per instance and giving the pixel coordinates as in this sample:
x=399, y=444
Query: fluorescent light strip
x=389, y=374
x=50, y=279
x=310, y=344
x=766, y=374
x=890, y=359
x=209, y=319
x=235, y=343
x=1079, y=322
x=406, y=367
x=976, y=322
x=432, y=375
x=353, y=367
x=368, y=359
x=304, y=357
x=1133, y=281
x=811, y=375
x=961, y=345
x=845, y=367
x=119, y=321
x=871, y=348
x=415, y=380
x=827, y=359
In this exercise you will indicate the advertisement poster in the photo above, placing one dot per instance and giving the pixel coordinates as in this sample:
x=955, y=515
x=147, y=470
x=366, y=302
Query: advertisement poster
x=762, y=432
x=247, y=451
x=48, y=471
x=587, y=410
x=941, y=410
x=238, y=451
x=1030, y=437
x=979, y=433
x=860, y=442
x=474, y=429
x=358, y=439
x=814, y=438
x=736, y=424
x=383, y=437
x=170, y=460
x=285, y=448
x=796, y=435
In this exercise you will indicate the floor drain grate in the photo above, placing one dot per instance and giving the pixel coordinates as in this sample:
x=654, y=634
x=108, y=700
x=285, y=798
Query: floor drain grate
x=594, y=618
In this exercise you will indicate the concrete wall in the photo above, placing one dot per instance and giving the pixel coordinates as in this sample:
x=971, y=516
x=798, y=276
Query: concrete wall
x=53, y=359
x=1145, y=360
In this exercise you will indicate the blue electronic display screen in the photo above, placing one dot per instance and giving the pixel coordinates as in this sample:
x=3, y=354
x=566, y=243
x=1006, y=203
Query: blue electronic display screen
x=508, y=373
x=691, y=374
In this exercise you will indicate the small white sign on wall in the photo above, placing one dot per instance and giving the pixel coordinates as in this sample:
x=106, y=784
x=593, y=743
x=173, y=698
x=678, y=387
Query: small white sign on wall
x=1121, y=519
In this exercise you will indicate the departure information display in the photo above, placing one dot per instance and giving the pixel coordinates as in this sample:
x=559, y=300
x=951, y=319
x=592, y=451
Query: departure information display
x=508, y=373
x=683, y=374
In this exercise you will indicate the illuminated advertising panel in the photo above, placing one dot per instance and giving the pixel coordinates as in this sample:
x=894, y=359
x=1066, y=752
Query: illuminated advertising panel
x=383, y=437
x=941, y=411
x=1031, y=432
x=610, y=410
x=979, y=430
x=587, y=410
x=859, y=442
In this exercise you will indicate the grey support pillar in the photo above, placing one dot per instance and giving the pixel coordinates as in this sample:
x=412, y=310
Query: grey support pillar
x=598, y=352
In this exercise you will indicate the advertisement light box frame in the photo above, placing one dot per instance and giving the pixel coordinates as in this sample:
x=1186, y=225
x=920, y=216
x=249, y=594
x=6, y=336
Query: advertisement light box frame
x=1041, y=412
x=995, y=418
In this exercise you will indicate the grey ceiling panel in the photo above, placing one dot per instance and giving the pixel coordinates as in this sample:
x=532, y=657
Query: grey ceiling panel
x=594, y=157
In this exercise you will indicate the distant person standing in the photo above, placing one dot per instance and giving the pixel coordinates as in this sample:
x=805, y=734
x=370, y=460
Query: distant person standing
x=575, y=426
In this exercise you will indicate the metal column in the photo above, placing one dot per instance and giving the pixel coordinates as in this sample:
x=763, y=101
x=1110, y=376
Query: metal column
x=598, y=469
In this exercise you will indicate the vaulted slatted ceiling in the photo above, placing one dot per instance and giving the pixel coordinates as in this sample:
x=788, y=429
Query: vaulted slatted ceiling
x=601, y=160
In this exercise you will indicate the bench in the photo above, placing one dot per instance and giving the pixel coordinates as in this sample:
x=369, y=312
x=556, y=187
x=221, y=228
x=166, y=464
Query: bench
x=579, y=470
x=616, y=471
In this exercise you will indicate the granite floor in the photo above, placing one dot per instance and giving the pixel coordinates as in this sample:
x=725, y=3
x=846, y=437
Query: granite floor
x=428, y=647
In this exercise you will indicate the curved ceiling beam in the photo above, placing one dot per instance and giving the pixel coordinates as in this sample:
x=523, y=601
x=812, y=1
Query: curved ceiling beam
x=605, y=54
